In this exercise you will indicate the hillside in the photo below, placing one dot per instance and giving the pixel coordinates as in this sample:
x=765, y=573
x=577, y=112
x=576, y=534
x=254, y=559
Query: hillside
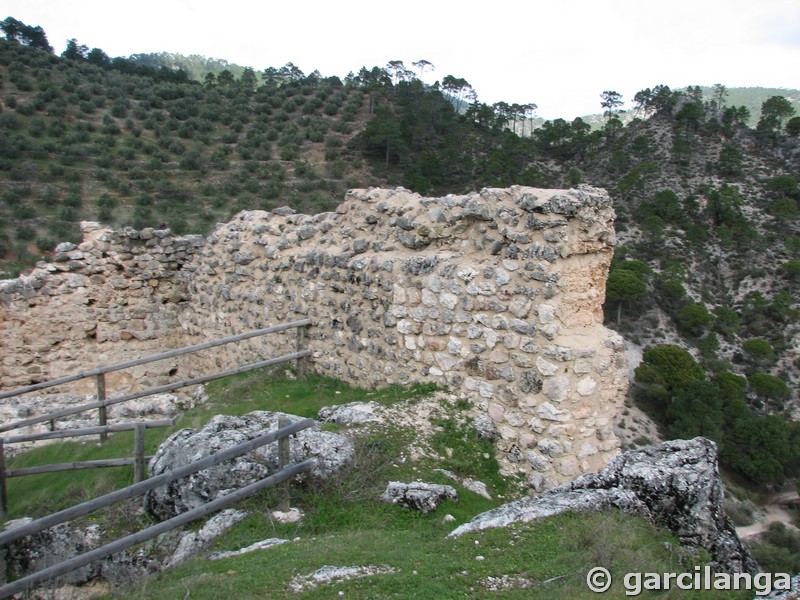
x=408, y=434
x=707, y=213
x=84, y=141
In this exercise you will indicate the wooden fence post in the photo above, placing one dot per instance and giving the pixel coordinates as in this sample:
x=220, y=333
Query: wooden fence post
x=301, y=345
x=101, y=397
x=138, y=453
x=3, y=490
x=283, y=460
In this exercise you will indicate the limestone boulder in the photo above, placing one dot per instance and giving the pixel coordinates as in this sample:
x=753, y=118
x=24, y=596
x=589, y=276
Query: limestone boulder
x=417, y=495
x=49, y=547
x=675, y=485
x=330, y=450
x=354, y=413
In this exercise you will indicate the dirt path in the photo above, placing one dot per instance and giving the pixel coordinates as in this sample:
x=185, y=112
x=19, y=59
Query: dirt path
x=774, y=510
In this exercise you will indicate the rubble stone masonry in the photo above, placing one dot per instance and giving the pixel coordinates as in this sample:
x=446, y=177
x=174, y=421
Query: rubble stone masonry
x=495, y=295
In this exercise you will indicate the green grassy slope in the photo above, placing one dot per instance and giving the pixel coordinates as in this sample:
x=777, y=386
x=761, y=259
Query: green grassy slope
x=345, y=525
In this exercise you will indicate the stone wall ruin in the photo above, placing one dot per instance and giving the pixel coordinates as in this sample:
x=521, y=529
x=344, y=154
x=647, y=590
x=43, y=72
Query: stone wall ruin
x=495, y=295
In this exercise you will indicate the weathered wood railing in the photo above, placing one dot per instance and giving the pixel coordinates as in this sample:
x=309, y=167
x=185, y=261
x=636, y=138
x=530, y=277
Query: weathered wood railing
x=284, y=474
x=103, y=402
x=138, y=460
x=300, y=356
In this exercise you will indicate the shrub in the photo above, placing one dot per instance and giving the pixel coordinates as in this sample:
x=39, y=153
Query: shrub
x=760, y=351
x=769, y=387
x=25, y=233
x=779, y=549
x=726, y=322
x=668, y=366
x=791, y=269
x=693, y=319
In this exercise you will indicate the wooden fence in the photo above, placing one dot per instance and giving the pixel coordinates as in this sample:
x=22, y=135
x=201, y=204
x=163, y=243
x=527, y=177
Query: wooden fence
x=138, y=460
x=300, y=356
x=283, y=475
x=99, y=373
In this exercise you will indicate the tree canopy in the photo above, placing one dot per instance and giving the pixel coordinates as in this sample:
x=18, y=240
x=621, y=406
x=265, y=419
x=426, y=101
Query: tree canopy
x=27, y=35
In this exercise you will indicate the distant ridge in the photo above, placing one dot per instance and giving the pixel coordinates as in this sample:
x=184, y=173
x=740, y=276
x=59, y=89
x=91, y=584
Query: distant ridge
x=196, y=66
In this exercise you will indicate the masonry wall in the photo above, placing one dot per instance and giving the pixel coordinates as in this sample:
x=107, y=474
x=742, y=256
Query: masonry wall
x=495, y=295
x=114, y=297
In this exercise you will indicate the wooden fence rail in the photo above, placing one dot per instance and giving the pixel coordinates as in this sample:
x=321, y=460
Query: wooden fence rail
x=141, y=484
x=137, y=489
x=27, y=582
x=153, y=358
x=67, y=433
x=138, y=461
x=156, y=390
x=103, y=402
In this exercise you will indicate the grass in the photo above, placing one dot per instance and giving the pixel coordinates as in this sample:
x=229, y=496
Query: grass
x=265, y=389
x=346, y=525
x=464, y=453
x=552, y=556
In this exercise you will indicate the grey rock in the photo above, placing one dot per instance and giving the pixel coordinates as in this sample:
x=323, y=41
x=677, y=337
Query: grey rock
x=49, y=547
x=528, y=201
x=406, y=223
x=533, y=222
x=243, y=258
x=417, y=265
x=11, y=286
x=284, y=211
x=65, y=247
x=675, y=485
x=791, y=594
x=424, y=497
x=537, y=251
x=556, y=389
x=331, y=451
x=262, y=545
x=194, y=542
x=473, y=485
x=334, y=574
x=413, y=242
x=530, y=382
x=477, y=209
x=307, y=232
x=354, y=413
x=437, y=215
x=485, y=427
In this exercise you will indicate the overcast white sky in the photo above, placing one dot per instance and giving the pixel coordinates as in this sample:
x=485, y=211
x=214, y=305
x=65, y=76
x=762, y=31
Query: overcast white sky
x=559, y=54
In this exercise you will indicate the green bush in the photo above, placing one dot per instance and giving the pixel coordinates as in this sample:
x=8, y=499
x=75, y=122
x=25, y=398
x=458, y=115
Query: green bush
x=759, y=351
x=668, y=366
x=778, y=551
x=693, y=319
x=726, y=322
x=769, y=387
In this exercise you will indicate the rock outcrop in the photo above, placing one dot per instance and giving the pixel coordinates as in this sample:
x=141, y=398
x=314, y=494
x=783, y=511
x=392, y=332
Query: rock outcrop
x=674, y=485
x=49, y=547
x=35, y=552
x=193, y=542
x=331, y=451
x=417, y=495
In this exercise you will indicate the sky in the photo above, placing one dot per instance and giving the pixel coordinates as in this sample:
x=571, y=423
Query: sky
x=558, y=54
